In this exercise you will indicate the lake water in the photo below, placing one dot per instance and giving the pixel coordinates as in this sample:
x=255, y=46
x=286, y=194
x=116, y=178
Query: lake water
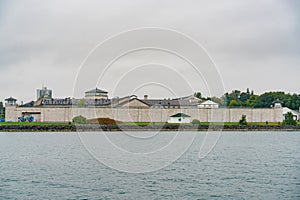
x=243, y=165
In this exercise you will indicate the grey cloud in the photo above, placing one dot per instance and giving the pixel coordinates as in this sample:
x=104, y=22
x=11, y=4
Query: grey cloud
x=45, y=42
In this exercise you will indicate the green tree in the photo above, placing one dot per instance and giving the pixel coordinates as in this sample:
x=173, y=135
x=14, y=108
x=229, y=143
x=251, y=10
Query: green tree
x=251, y=102
x=248, y=91
x=220, y=101
x=198, y=95
x=2, y=110
x=79, y=120
x=289, y=119
x=234, y=95
x=237, y=98
x=243, y=120
x=291, y=101
x=80, y=103
x=233, y=103
x=196, y=121
x=266, y=99
x=244, y=97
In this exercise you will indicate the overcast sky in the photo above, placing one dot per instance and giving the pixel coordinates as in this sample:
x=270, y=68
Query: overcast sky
x=255, y=44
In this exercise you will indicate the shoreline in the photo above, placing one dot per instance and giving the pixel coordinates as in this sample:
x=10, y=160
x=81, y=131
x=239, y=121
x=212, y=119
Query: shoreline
x=167, y=127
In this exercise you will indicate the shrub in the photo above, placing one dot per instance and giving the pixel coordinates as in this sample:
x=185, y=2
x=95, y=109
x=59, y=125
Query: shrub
x=79, y=120
x=196, y=121
x=243, y=120
x=289, y=119
x=80, y=103
x=106, y=121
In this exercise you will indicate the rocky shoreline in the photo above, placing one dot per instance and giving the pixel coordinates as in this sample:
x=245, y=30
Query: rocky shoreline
x=166, y=127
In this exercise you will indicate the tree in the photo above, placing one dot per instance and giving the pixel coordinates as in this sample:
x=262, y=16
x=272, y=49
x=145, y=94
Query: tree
x=248, y=91
x=236, y=98
x=2, y=110
x=243, y=120
x=289, y=119
x=198, y=95
x=196, y=121
x=244, y=97
x=79, y=120
x=80, y=103
x=233, y=98
x=251, y=102
x=233, y=103
x=220, y=101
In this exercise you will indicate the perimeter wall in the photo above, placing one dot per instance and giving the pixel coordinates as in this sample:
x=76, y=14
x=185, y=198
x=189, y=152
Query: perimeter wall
x=66, y=114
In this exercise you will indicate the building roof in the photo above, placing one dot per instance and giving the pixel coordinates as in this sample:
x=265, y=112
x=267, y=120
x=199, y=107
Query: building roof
x=10, y=99
x=277, y=101
x=129, y=99
x=70, y=102
x=167, y=102
x=29, y=104
x=180, y=115
x=285, y=110
x=190, y=97
x=96, y=91
x=209, y=102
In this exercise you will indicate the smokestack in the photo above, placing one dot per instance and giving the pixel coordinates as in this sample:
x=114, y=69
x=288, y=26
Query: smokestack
x=145, y=96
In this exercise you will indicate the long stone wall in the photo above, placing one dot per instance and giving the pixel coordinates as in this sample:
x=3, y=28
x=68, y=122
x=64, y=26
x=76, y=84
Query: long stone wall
x=66, y=114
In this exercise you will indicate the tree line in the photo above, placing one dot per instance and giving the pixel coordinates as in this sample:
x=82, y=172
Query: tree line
x=2, y=110
x=248, y=98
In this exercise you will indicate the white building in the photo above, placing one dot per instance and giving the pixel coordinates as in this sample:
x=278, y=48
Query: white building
x=296, y=115
x=179, y=118
x=277, y=103
x=208, y=104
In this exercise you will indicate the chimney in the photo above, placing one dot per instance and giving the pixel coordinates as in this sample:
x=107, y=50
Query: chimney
x=145, y=96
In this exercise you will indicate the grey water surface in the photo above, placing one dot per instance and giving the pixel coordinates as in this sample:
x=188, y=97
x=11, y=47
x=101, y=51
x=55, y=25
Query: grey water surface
x=243, y=165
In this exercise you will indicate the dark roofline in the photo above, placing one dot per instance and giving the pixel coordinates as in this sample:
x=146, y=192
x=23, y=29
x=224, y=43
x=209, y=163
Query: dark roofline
x=29, y=104
x=123, y=103
x=96, y=91
x=277, y=101
x=10, y=99
x=167, y=102
x=180, y=115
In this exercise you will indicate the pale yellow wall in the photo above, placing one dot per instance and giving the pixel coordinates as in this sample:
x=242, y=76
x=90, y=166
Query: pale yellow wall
x=65, y=114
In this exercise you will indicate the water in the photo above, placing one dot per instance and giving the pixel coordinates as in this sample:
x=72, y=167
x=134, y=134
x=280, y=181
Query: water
x=250, y=165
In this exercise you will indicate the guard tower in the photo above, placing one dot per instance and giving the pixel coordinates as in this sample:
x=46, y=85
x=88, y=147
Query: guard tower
x=277, y=103
x=11, y=101
x=96, y=94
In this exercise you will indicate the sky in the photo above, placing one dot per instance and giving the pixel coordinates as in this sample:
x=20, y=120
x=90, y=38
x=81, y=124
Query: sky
x=67, y=45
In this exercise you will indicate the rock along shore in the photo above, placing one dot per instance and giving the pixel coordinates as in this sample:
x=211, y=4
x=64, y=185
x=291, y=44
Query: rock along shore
x=166, y=127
